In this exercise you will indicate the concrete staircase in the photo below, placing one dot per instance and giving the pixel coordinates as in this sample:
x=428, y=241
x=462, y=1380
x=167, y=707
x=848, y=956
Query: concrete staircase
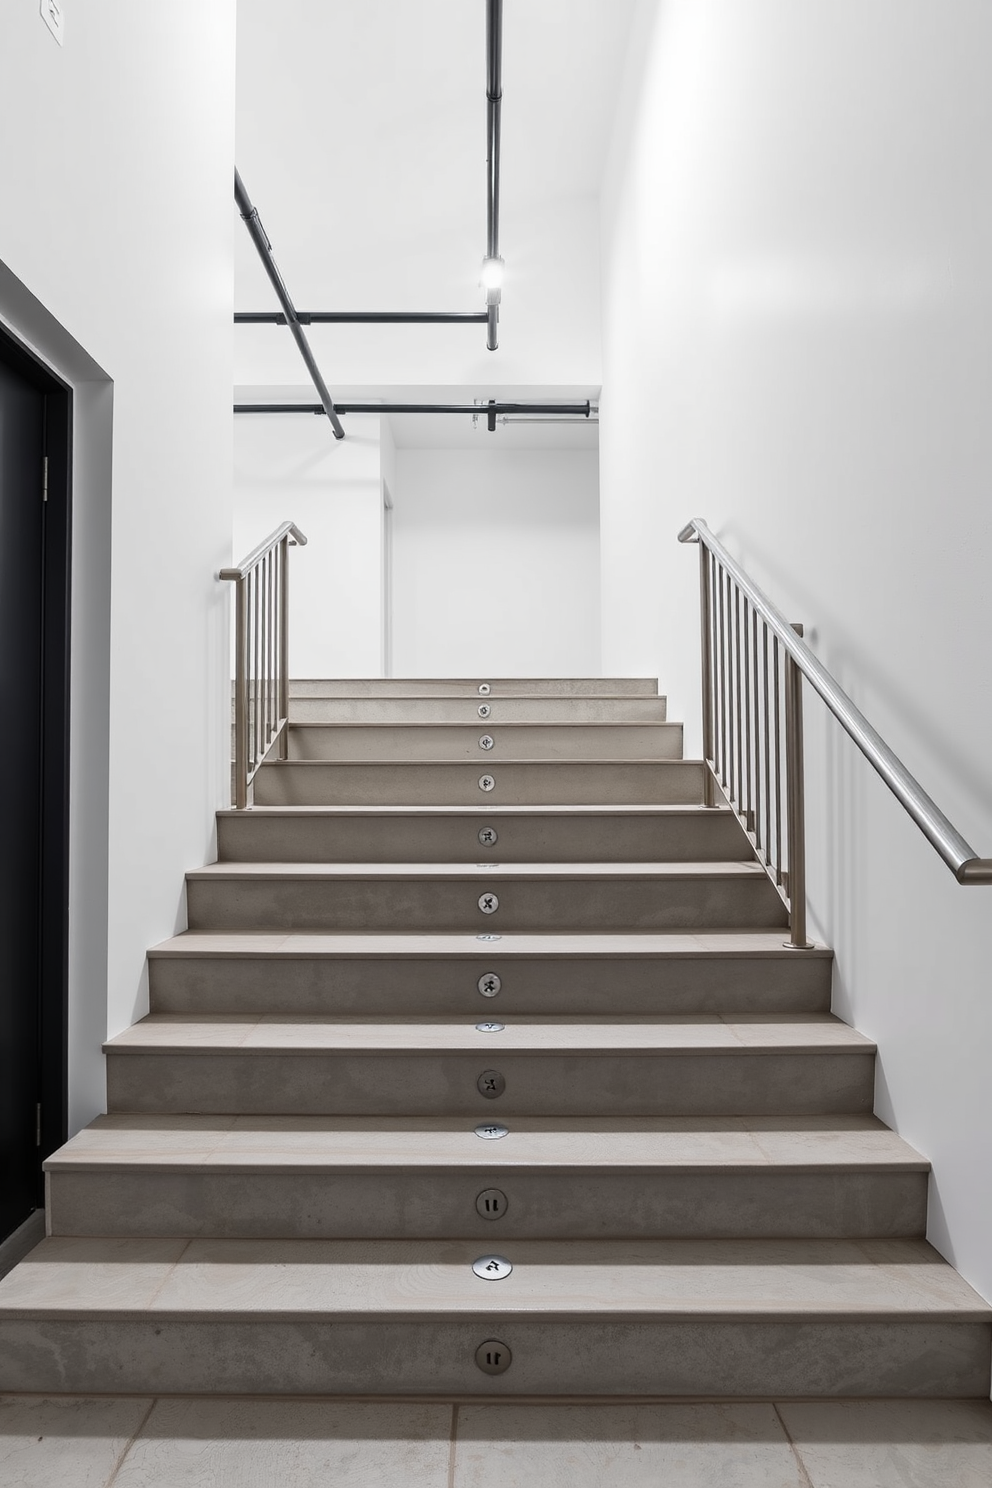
x=479, y=977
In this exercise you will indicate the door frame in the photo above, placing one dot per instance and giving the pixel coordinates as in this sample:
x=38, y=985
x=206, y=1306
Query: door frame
x=53, y=990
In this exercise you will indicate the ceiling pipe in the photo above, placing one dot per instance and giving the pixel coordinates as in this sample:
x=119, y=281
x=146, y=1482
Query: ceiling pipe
x=364, y=317
x=494, y=102
x=489, y=317
x=259, y=237
x=490, y=410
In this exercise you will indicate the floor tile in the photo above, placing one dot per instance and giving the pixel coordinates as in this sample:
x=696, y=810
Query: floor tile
x=623, y=1446
x=298, y=1444
x=893, y=1443
x=71, y=1442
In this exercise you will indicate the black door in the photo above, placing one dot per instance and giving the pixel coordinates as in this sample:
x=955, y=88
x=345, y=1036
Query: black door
x=34, y=510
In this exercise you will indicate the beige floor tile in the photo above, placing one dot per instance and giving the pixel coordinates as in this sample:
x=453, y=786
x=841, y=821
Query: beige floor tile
x=894, y=1443
x=639, y=1446
x=289, y=1444
x=70, y=1442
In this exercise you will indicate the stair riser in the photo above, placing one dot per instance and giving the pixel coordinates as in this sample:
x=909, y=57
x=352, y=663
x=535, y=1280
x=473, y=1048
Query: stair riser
x=296, y=1204
x=542, y=783
x=448, y=986
x=453, y=906
x=334, y=1083
x=564, y=687
x=159, y=1355
x=466, y=710
x=521, y=741
x=712, y=836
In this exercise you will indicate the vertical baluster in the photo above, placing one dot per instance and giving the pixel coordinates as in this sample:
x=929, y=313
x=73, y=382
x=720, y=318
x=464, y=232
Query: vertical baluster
x=723, y=677
x=795, y=785
x=258, y=667
x=284, y=646
x=240, y=696
x=748, y=814
x=757, y=731
x=706, y=668
x=738, y=731
x=776, y=647
x=249, y=668
x=273, y=641
x=269, y=640
x=767, y=741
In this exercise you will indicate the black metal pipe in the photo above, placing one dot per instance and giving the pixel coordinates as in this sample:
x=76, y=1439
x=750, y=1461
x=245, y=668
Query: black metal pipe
x=364, y=317
x=260, y=238
x=490, y=410
x=494, y=102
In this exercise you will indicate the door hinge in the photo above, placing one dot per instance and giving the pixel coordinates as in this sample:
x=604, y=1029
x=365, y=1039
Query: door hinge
x=37, y=1129
x=44, y=479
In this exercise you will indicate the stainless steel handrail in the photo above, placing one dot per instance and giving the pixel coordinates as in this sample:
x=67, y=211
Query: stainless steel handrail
x=261, y=671
x=940, y=832
x=288, y=529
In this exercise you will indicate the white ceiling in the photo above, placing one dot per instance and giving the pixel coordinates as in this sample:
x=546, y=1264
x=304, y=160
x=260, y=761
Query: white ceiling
x=361, y=136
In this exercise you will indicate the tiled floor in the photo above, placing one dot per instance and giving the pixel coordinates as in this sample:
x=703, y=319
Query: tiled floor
x=73, y=1442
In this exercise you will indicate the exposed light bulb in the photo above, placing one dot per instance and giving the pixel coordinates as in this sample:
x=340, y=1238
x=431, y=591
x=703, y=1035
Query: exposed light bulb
x=492, y=273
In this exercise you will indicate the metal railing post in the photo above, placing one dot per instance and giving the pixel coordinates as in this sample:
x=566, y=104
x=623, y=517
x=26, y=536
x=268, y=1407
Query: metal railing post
x=795, y=802
x=706, y=648
x=284, y=646
x=240, y=697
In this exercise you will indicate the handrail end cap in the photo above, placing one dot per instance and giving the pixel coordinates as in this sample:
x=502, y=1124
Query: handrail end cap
x=975, y=871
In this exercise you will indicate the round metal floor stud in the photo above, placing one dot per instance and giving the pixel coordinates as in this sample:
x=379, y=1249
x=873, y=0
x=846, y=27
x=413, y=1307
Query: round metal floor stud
x=493, y=1357
x=484, y=689
x=489, y=1027
x=489, y=937
x=485, y=710
x=491, y=1131
x=486, y=741
x=489, y=984
x=487, y=783
x=492, y=1268
x=492, y=1203
x=491, y=1084
x=488, y=836
x=488, y=903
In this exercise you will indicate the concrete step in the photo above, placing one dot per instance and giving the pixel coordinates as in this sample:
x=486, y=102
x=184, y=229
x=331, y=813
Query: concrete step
x=481, y=784
x=422, y=1178
x=483, y=744
x=462, y=976
x=476, y=709
x=601, y=1318
x=480, y=687
x=452, y=834
x=482, y=896
x=273, y=1065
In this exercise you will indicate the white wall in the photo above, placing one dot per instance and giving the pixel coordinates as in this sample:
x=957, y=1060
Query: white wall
x=496, y=563
x=798, y=346
x=116, y=249
x=290, y=467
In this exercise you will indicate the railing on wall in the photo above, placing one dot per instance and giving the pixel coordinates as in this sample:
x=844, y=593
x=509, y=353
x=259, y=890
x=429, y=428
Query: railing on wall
x=261, y=667
x=753, y=666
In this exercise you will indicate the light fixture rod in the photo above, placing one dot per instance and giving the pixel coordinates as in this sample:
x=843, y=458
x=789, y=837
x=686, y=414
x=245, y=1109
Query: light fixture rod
x=494, y=102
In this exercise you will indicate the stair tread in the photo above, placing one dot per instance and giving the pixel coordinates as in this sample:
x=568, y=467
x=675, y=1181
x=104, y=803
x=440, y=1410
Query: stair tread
x=476, y=871
x=486, y=725
x=677, y=1144
x=253, y=1280
x=663, y=943
x=272, y=1032
x=653, y=809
